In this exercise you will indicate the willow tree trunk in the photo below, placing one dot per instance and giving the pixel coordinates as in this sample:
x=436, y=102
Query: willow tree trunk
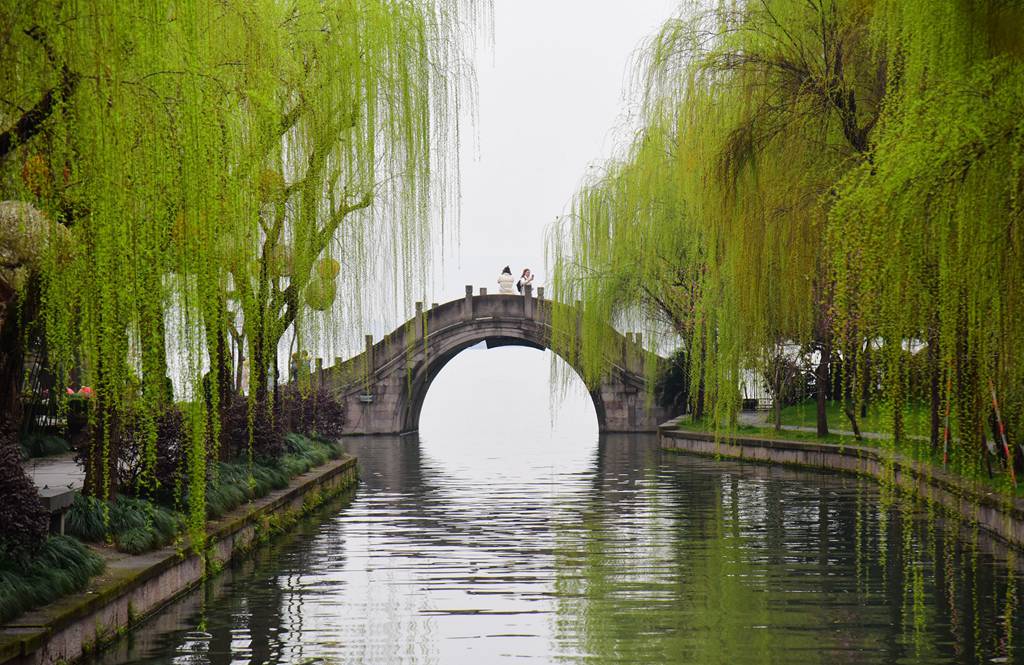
x=12, y=368
x=934, y=379
x=698, y=410
x=865, y=383
x=15, y=318
x=219, y=388
x=821, y=385
x=849, y=374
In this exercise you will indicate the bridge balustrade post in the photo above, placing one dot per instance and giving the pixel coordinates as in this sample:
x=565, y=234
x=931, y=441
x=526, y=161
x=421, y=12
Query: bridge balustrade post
x=483, y=290
x=638, y=337
x=540, y=293
x=319, y=371
x=419, y=321
x=467, y=308
x=528, y=301
x=368, y=362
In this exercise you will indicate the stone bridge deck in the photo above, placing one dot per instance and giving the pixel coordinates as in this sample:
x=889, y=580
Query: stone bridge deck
x=384, y=387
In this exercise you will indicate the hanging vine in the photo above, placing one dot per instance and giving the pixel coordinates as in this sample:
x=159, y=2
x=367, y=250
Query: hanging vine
x=209, y=163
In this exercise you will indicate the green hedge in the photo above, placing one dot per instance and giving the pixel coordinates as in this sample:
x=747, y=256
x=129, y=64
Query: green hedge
x=39, y=444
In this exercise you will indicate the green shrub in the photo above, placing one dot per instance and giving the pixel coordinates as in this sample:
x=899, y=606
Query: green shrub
x=23, y=521
x=135, y=540
x=85, y=519
x=135, y=525
x=62, y=565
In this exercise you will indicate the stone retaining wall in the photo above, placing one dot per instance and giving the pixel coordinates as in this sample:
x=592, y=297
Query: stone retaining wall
x=134, y=587
x=997, y=513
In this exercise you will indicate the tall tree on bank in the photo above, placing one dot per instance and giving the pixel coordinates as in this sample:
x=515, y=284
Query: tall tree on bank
x=847, y=175
x=204, y=158
x=765, y=105
x=927, y=238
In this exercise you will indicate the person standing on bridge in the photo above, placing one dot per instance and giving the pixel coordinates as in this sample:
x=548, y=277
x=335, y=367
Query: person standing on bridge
x=525, y=280
x=505, y=281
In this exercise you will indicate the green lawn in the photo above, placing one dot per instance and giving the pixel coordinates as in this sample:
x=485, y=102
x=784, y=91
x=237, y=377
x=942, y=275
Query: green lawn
x=916, y=449
x=916, y=418
x=770, y=433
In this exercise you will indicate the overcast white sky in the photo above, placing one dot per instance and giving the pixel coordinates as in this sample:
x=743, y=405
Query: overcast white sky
x=551, y=103
x=551, y=94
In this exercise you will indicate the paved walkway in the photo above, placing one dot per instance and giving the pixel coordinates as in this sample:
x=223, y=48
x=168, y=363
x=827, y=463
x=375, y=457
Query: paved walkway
x=56, y=473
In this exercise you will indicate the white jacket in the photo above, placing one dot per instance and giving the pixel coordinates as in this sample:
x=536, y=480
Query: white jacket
x=505, y=283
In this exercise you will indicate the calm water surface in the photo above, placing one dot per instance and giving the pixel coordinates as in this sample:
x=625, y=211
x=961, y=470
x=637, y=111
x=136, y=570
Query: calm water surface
x=500, y=539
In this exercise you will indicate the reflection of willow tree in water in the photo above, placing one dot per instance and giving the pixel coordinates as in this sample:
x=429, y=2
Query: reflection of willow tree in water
x=764, y=569
x=640, y=595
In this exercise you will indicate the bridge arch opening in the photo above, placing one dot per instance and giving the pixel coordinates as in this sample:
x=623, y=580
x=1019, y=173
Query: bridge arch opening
x=502, y=392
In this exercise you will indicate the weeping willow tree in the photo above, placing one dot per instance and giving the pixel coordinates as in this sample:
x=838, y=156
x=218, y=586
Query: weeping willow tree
x=206, y=161
x=752, y=111
x=838, y=174
x=943, y=186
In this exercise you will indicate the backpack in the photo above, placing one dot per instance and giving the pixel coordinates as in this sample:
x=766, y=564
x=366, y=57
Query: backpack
x=519, y=286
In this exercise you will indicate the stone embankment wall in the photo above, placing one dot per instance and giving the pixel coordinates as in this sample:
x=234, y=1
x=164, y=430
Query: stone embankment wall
x=995, y=512
x=134, y=587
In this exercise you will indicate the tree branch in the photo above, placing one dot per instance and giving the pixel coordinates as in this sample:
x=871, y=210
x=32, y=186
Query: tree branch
x=31, y=122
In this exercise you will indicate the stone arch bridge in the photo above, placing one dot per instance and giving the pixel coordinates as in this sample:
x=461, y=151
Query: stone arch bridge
x=384, y=387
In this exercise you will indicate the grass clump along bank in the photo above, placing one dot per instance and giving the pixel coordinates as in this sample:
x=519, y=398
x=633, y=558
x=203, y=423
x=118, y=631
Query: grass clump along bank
x=137, y=524
x=234, y=485
x=133, y=525
x=60, y=566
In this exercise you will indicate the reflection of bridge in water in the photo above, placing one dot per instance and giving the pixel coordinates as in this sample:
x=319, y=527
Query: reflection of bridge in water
x=384, y=387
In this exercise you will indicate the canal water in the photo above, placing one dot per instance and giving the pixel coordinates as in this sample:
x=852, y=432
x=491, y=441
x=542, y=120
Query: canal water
x=503, y=534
